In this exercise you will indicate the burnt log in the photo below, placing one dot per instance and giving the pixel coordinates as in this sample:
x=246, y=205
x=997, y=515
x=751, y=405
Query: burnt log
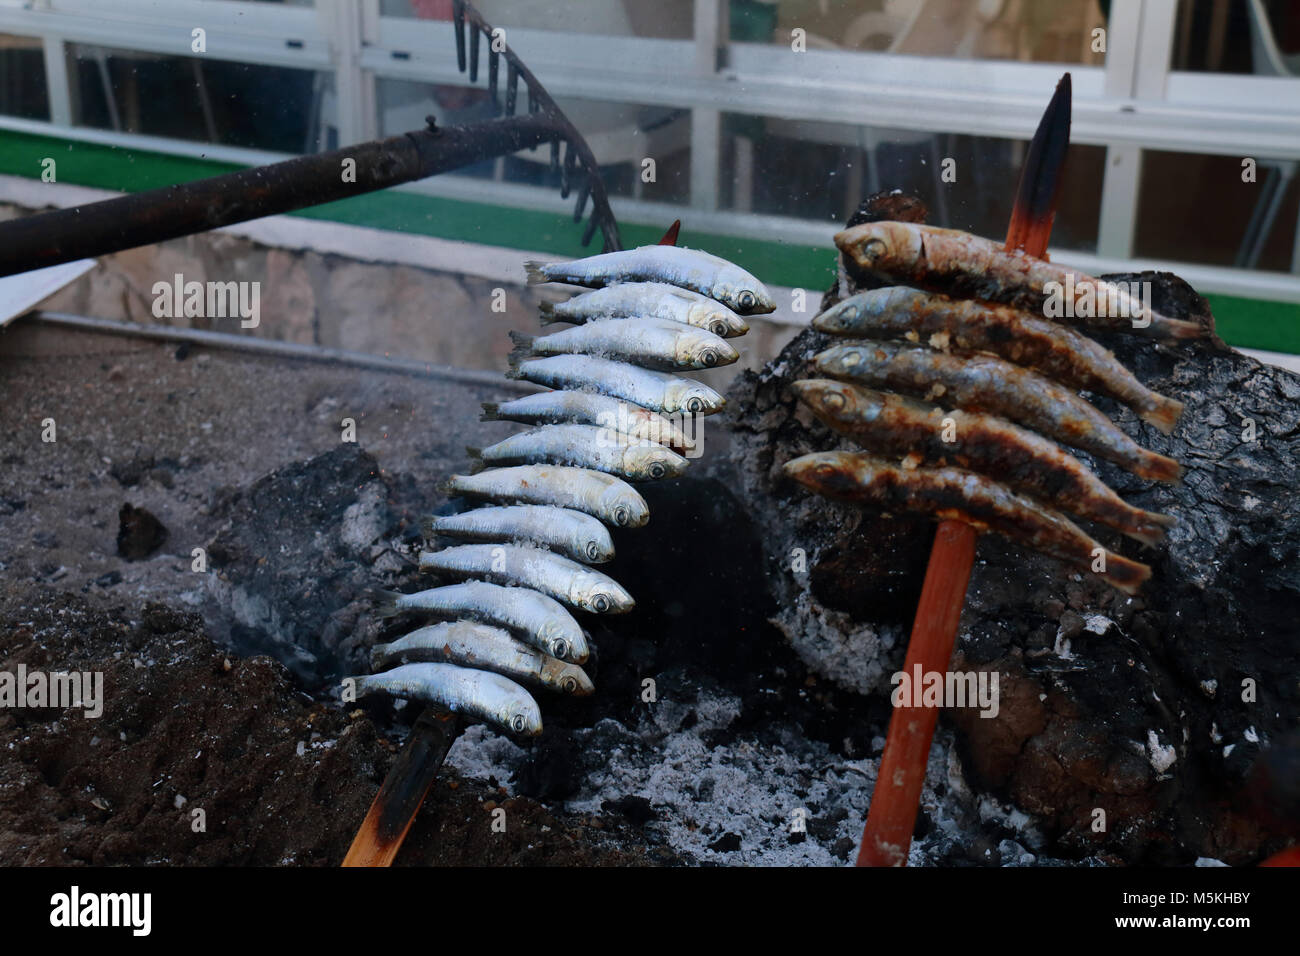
x=1159, y=710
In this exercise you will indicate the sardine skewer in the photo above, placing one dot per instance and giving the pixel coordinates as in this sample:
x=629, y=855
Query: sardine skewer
x=982, y=383
x=482, y=694
x=952, y=493
x=486, y=648
x=971, y=267
x=1056, y=350
x=893, y=425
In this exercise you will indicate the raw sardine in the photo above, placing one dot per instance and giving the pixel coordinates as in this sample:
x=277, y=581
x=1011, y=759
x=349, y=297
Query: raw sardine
x=588, y=408
x=585, y=446
x=482, y=694
x=485, y=648
x=675, y=265
x=565, y=580
x=563, y=530
x=656, y=300
x=657, y=391
x=650, y=343
x=610, y=499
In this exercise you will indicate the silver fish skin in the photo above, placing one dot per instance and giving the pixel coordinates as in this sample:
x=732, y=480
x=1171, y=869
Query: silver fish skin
x=562, y=530
x=656, y=300
x=657, y=391
x=649, y=343
x=602, y=496
x=675, y=265
x=485, y=648
x=535, y=618
x=487, y=696
x=589, y=408
x=586, y=446
x=566, y=581
x=983, y=383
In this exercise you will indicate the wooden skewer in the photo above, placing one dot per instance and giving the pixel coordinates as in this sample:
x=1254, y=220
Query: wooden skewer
x=403, y=791
x=897, y=795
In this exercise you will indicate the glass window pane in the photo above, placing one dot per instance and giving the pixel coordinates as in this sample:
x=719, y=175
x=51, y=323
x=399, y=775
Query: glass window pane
x=822, y=171
x=621, y=136
x=1238, y=36
x=1053, y=31
x=197, y=98
x=22, y=77
x=662, y=19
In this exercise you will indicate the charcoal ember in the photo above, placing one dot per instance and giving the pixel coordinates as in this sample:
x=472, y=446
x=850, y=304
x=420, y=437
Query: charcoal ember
x=139, y=533
x=1153, y=708
x=292, y=565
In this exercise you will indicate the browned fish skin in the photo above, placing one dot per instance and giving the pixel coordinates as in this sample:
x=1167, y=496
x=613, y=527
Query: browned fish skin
x=982, y=383
x=893, y=425
x=1056, y=350
x=971, y=267
x=963, y=496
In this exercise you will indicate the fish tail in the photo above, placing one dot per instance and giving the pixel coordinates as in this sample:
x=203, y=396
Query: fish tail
x=379, y=656
x=1125, y=574
x=536, y=272
x=385, y=602
x=1181, y=329
x=445, y=487
x=1156, y=467
x=546, y=313
x=429, y=527
x=523, y=347
x=1163, y=413
x=490, y=412
x=513, y=360
x=1148, y=527
x=476, y=459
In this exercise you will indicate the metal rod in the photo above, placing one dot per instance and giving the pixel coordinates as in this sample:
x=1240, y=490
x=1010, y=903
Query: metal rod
x=140, y=219
x=272, y=348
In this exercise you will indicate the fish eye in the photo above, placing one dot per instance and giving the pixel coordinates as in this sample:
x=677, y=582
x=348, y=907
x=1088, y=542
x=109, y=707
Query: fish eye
x=851, y=358
x=517, y=723
x=600, y=603
x=620, y=516
x=826, y=470
x=745, y=300
x=569, y=684
x=719, y=328
x=559, y=647
x=709, y=357
x=657, y=470
x=874, y=247
x=593, y=550
x=695, y=405
x=834, y=400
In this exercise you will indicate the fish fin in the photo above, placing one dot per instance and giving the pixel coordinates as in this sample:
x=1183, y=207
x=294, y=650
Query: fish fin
x=546, y=313
x=385, y=602
x=513, y=360
x=1160, y=468
x=444, y=487
x=523, y=348
x=378, y=656
x=1165, y=414
x=429, y=526
x=490, y=410
x=476, y=459
x=1124, y=573
x=536, y=272
x=1181, y=329
x=1150, y=528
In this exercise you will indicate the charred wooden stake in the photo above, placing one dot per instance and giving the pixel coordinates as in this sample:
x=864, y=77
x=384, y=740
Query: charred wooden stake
x=897, y=795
